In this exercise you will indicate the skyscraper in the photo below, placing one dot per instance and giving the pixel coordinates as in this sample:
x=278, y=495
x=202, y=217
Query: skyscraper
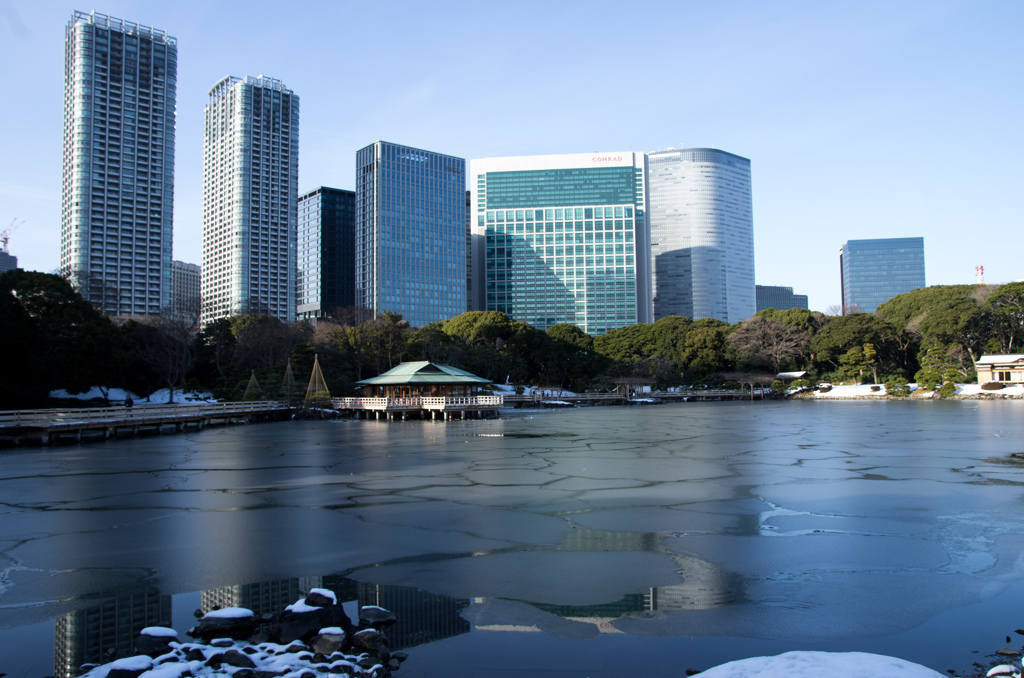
x=562, y=239
x=410, y=232
x=702, y=235
x=326, y=265
x=185, y=298
x=250, y=196
x=779, y=298
x=874, y=271
x=118, y=167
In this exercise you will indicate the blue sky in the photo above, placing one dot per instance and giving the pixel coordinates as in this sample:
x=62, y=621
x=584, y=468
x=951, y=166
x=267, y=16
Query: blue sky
x=861, y=119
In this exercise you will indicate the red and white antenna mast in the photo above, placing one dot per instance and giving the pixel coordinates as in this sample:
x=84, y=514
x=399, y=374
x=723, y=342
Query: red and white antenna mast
x=980, y=272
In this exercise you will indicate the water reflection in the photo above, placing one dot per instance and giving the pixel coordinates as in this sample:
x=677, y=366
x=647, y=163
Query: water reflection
x=104, y=632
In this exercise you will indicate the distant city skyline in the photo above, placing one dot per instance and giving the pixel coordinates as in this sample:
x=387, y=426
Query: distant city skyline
x=822, y=98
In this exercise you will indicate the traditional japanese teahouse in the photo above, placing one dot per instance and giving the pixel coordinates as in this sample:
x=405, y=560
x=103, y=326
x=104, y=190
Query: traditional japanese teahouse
x=422, y=387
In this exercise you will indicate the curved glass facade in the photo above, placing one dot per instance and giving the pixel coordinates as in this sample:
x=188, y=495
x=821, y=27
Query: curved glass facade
x=702, y=235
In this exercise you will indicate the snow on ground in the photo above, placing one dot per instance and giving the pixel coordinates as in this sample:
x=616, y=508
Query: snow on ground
x=300, y=606
x=117, y=396
x=864, y=390
x=180, y=397
x=852, y=391
x=975, y=389
x=111, y=394
x=819, y=664
x=229, y=613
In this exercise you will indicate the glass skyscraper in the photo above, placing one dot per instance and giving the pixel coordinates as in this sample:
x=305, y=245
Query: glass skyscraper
x=120, y=81
x=779, y=298
x=250, y=194
x=874, y=271
x=327, y=240
x=562, y=239
x=702, y=235
x=410, y=233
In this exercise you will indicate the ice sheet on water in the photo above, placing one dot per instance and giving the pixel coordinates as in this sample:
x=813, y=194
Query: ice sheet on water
x=654, y=519
x=494, y=614
x=558, y=578
x=768, y=556
x=481, y=521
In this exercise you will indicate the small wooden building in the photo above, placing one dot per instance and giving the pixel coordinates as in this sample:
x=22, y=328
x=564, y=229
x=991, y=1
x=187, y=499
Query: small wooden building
x=421, y=379
x=419, y=389
x=1007, y=368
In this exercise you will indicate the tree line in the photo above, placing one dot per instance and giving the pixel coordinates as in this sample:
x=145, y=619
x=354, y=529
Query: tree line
x=53, y=339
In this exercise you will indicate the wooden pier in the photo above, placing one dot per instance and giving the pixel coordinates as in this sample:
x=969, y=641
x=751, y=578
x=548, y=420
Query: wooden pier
x=19, y=427
x=421, y=407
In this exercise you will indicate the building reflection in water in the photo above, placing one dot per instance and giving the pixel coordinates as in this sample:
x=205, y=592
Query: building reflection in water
x=103, y=632
x=106, y=631
x=269, y=597
x=704, y=586
x=422, y=617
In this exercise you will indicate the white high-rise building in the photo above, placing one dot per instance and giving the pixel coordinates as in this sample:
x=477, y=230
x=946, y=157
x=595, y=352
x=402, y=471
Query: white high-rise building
x=250, y=198
x=118, y=168
x=702, y=235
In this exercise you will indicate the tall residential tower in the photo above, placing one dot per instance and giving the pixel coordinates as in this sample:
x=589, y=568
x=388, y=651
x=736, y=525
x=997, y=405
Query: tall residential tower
x=250, y=196
x=410, y=233
x=117, y=198
x=702, y=235
x=562, y=239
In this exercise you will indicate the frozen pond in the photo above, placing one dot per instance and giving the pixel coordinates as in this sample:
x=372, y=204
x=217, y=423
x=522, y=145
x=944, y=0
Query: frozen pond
x=596, y=541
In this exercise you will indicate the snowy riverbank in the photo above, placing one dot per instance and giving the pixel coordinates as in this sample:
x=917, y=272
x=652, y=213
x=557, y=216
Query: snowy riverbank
x=867, y=391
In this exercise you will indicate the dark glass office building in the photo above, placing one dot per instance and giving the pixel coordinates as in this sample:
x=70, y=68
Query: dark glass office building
x=326, y=263
x=779, y=298
x=874, y=271
x=410, y=249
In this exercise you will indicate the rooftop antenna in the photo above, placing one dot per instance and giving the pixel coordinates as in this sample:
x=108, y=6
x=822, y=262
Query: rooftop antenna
x=980, y=272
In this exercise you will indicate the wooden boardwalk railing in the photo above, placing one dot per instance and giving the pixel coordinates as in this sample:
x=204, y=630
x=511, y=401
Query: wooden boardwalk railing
x=420, y=406
x=45, y=425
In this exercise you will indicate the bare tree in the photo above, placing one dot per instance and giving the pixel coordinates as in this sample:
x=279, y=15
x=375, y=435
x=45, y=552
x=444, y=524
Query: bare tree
x=264, y=341
x=165, y=343
x=767, y=342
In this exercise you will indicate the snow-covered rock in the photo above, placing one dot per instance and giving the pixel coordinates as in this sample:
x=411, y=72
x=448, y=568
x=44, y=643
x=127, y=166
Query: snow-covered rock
x=820, y=664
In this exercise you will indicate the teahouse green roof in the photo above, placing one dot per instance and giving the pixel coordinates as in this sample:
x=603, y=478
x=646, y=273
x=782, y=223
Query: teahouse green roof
x=423, y=372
